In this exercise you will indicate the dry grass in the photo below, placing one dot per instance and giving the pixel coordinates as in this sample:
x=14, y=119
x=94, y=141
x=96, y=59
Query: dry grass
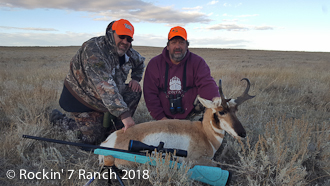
x=284, y=155
x=287, y=122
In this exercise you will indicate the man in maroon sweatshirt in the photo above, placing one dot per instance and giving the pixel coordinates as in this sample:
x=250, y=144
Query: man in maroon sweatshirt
x=174, y=78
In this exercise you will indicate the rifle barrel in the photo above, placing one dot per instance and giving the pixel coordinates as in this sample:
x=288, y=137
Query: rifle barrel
x=78, y=144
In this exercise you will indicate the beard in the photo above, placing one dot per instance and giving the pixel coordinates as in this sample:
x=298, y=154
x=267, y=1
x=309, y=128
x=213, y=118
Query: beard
x=122, y=49
x=178, y=56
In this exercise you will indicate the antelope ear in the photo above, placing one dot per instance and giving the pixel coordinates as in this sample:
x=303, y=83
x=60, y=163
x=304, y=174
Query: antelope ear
x=206, y=103
x=217, y=101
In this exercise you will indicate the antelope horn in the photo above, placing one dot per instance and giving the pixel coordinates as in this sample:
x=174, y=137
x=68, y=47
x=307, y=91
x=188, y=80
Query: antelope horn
x=245, y=96
x=223, y=100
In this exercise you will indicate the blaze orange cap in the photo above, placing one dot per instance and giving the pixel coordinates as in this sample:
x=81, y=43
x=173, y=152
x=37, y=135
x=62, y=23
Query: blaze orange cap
x=123, y=27
x=177, y=31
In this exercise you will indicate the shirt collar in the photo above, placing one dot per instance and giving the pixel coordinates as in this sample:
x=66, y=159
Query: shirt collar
x=126, y=58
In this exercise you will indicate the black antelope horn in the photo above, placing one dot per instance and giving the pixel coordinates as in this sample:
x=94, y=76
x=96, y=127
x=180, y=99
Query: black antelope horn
x=245, y=96
x=223, y=100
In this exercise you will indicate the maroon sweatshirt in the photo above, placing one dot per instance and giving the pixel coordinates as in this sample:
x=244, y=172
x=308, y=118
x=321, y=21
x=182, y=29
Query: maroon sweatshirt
x=198, y=80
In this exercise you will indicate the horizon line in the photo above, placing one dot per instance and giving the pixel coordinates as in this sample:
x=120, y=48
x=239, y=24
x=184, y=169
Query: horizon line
x=36, y=46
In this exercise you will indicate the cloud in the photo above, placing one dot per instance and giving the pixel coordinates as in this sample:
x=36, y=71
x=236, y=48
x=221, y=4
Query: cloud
x=226, y=4
x=157, y=16
x=228, y=27
x=212, y=2
x=135, y=10
x=218, y=42
x=193, y=8
x=263, y=28
x=239, y=4
x=150, y=40
x=230, y=5
x=236, y=27
x=29, y=28
x=230, y=20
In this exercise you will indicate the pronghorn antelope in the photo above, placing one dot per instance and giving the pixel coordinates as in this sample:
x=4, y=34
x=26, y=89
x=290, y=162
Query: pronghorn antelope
x=200, y=139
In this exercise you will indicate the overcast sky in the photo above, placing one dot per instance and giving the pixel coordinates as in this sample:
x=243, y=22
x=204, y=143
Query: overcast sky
x=291, y=25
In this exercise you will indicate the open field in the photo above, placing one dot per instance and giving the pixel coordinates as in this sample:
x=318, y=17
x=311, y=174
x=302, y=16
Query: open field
x=287, y=123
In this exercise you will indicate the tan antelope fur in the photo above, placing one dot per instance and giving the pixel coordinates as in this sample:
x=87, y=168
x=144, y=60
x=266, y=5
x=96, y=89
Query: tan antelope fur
x=200, y=139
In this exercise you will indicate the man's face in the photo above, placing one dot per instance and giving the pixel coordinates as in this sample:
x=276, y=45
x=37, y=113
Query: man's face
x=177, y=48
x=122, y=44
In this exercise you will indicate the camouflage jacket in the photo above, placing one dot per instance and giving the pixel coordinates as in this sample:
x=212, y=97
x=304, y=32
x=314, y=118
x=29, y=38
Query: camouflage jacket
x=96, y=75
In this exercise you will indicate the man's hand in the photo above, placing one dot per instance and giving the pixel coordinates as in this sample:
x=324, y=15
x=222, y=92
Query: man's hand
x=128, y=122
x=135, y=85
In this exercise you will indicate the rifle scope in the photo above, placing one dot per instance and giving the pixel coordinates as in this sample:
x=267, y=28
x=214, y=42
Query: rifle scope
x=137, y=146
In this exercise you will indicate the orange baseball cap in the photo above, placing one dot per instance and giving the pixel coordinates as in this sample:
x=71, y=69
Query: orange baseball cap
x=123, y=27
x=177, y=31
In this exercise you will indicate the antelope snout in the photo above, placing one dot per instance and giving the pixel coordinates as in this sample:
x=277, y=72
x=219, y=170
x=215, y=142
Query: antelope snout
x=242, y=134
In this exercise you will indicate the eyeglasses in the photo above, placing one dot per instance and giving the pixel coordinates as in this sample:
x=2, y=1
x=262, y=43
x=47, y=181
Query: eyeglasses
x=128, y=38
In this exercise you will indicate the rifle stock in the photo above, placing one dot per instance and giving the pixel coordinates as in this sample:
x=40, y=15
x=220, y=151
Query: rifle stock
x=206, y=174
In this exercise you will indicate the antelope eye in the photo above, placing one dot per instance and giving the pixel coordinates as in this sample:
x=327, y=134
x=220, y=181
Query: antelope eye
x=221, y=113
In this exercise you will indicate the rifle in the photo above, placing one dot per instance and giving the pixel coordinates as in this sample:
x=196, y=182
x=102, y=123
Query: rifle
x=206, y=174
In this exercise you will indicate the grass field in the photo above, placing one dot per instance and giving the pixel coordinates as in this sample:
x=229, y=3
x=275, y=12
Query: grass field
x=287, y=123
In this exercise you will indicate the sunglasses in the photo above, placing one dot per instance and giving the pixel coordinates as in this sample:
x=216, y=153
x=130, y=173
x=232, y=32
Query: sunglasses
x=128, y=38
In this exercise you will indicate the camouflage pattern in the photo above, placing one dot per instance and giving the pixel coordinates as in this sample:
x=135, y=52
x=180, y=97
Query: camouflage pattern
x=65, y=123
x=89, y=125
x=96, y=75
x=131, y=98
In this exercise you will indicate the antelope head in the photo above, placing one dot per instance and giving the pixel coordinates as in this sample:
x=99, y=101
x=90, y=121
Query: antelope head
x=224, y=111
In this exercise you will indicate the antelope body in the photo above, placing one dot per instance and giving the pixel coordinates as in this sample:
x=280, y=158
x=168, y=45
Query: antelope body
x=200, y=139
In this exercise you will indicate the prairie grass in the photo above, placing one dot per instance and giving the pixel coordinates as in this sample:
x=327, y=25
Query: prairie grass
x=287, y=122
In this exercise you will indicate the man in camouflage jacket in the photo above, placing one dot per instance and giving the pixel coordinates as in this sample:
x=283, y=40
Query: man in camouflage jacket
x=96, y=85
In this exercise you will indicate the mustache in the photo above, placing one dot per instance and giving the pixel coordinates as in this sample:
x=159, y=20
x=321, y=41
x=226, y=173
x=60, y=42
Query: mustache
x=177, y=50
x=124, y=44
